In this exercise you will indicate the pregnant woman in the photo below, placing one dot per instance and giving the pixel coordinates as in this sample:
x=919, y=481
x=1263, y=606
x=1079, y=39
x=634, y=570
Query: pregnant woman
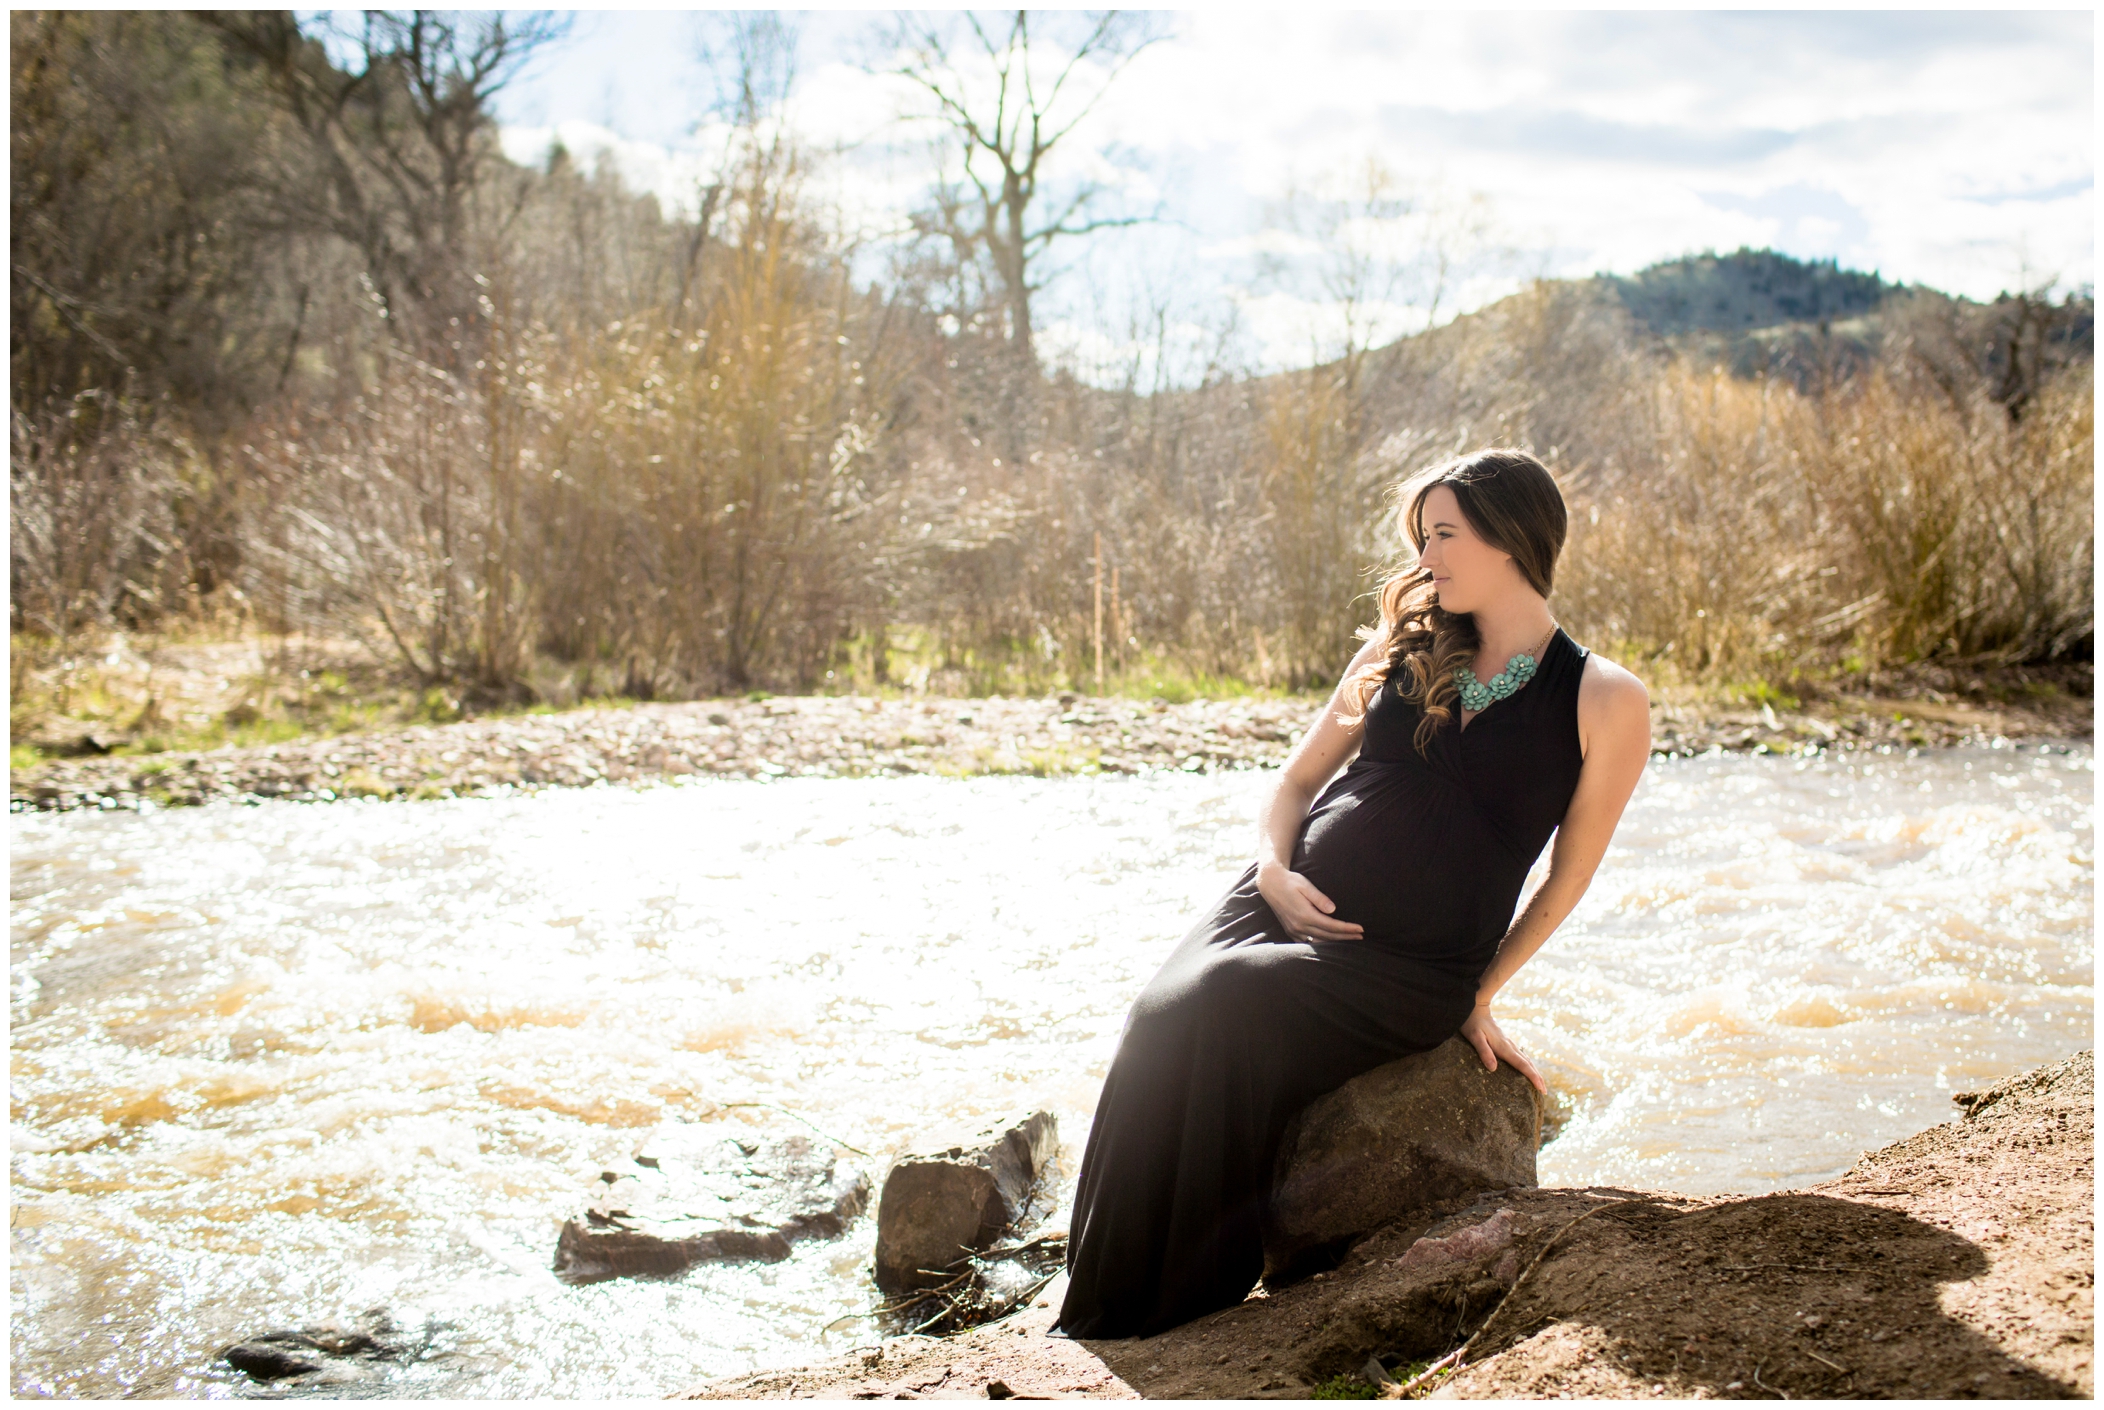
x=1380, y=921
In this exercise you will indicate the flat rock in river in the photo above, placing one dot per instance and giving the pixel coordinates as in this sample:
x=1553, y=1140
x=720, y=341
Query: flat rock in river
x=1415, y=1133
x=329, y=1355
x=701, y=1194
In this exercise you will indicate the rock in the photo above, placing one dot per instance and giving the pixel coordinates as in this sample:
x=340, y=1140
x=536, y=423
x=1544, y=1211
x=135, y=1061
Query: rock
x=75, y=738
x=331, y=1353
x=704, y=1194
x=1398, y=1140
x=274, y=1356
x=941, y=1203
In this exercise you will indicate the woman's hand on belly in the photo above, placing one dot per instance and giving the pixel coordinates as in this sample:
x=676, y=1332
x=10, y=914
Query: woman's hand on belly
x=1306, y=913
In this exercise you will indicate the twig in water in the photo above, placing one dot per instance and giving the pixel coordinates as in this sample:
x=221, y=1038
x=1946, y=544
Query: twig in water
x=1056, y=1237
x=770, y=1106
x=946, y=1311
x=965, y=1298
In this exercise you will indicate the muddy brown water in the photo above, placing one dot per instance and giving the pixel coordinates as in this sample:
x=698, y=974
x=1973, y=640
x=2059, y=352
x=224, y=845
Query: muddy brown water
x=283, y=1063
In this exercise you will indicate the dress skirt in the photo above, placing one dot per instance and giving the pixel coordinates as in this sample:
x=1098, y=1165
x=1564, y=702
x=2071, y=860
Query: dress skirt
x=1240, y=1029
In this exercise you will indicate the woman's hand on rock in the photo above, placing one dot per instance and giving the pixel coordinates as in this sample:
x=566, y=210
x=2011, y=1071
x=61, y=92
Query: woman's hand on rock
x=1306, y=913
x=1491, y=1044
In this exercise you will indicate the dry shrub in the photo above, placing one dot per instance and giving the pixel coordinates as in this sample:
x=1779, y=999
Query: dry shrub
x=683, y=505
x=710, y=495
x=1319, y=501
x=397, y=522
x=1772, y=531
x=1700, y=555
x=92, y=498
x=1959, y=530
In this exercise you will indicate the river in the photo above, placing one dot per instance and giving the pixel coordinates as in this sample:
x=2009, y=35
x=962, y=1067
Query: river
x=282, y=1063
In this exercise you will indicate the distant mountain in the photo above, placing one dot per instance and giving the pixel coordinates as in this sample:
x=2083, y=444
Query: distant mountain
x=1745, y=290
x=1759, y=313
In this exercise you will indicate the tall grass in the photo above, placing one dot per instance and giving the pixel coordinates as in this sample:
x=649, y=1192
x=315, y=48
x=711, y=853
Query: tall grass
x=1770, y=532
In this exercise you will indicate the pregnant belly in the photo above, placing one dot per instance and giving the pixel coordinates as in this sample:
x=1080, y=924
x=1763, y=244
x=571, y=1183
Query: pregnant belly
x=1413, y=862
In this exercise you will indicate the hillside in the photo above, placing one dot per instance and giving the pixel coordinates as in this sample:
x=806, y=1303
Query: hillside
x=1758, y=312
x=1745, y=290
x=1759, y=308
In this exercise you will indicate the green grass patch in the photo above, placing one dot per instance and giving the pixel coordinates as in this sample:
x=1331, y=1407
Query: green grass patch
x=363, y=783
x=1344, y=1388
x=1763, y=693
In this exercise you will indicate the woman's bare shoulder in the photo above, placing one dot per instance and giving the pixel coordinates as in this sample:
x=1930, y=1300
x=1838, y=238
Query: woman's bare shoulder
x=1611, y=697
x=1605, y=681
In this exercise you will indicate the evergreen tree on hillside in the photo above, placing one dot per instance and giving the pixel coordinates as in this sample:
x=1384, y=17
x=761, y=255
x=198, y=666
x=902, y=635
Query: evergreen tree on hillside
x=1744, y=290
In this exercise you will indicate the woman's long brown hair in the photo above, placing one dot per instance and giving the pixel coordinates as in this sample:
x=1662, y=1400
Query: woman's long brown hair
x=1511, y=501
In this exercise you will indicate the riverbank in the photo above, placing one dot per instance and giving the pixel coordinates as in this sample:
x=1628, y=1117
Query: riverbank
x=1956, y=1263
x=861, y=736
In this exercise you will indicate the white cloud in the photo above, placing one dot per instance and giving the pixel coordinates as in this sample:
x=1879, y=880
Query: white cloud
x=676, y=176
x=1268, y=241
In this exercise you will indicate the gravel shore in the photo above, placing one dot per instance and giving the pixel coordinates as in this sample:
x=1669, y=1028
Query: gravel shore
x=855, y=736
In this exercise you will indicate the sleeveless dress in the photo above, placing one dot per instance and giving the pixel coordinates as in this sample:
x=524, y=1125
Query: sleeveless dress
x=1244, y=1026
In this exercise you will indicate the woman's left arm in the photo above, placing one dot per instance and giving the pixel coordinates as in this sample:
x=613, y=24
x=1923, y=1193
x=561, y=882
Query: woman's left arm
x=1614, y=732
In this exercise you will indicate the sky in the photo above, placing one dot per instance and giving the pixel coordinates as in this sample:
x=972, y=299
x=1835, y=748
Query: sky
x=1946, y=148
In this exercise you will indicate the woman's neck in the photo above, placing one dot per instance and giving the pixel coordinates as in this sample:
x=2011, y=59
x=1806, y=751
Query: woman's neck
x=1512, y=627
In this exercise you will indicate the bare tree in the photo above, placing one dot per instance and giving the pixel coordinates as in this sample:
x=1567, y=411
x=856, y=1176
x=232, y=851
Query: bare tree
x=1008, y=105
x=402, y=141
x=1378, y=258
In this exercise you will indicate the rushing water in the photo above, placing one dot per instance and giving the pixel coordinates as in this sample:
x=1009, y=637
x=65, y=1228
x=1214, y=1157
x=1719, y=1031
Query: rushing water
x=282, y=1063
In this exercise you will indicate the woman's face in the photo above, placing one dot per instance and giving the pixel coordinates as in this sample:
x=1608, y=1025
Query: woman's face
x=1466, y=571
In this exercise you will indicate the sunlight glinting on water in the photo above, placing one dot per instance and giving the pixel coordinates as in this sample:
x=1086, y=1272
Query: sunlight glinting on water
x=283, y=1063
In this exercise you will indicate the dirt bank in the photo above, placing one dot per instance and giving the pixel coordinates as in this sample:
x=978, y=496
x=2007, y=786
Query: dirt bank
x=849, y=736
x=1956, y=1263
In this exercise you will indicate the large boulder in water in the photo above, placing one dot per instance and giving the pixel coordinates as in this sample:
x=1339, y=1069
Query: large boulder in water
x=697, y=1194
x=957, y=1197
x=1418, y=1132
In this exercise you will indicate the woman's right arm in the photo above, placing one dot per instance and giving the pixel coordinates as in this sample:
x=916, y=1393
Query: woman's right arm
x=1303, y=910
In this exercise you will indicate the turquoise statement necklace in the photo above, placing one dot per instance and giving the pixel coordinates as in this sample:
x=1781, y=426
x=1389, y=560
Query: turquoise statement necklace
x=1518, y=671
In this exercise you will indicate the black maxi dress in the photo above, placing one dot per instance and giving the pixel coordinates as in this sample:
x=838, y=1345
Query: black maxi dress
x=1244, y=1026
